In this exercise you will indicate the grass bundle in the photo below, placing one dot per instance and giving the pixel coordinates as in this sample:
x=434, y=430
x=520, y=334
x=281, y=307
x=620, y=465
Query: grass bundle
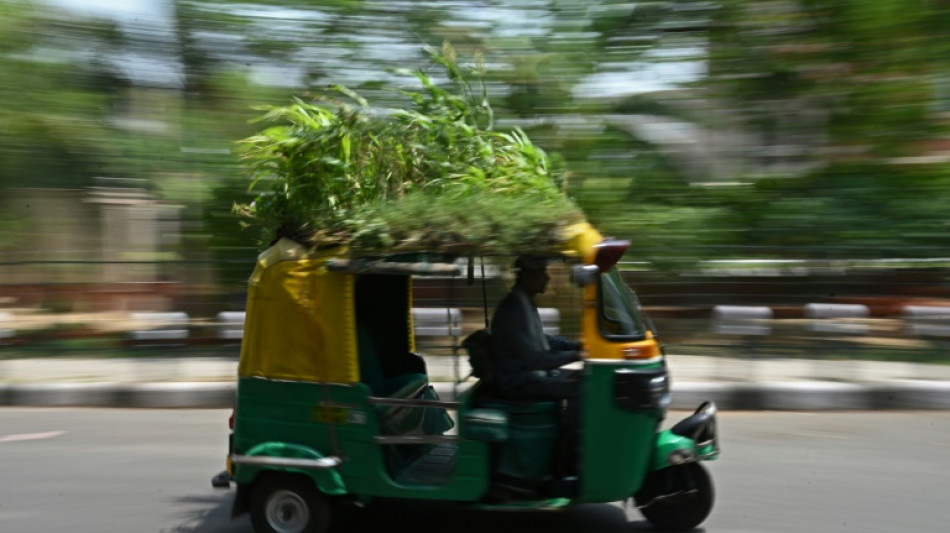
x=436, y=176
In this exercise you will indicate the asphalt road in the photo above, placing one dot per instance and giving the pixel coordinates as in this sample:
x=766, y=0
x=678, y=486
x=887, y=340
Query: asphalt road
x=130, y=471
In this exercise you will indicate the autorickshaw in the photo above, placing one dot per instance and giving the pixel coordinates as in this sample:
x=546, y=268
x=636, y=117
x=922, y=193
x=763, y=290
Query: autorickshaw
x=334, y=404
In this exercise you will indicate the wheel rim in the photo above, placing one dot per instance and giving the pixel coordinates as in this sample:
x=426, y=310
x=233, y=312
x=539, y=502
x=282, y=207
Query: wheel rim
x=287, y=512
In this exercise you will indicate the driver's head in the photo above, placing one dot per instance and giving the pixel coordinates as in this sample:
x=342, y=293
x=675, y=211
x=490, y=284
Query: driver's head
x=532, y=274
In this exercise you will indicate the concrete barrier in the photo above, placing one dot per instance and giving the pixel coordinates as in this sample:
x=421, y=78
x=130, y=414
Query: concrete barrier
x=550, y=320
x=837, y=319
x=230, y=325
x=162, y=327
x=927, y=321
x=6, y=331
x=437, y=321
x=742, y=320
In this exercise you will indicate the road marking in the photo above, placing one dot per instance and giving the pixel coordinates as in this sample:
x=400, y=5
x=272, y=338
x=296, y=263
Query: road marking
x=31, y=436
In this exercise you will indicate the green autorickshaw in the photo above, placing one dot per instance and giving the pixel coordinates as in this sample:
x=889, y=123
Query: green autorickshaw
x=334, y=404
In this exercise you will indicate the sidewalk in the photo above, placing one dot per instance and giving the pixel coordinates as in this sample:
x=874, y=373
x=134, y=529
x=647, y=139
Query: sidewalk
x=742, y=384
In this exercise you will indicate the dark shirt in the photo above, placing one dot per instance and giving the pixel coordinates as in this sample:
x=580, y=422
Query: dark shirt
x=522, y=351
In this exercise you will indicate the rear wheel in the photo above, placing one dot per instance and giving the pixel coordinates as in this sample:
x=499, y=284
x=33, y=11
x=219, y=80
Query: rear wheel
x=677, y=498
x=285, y=503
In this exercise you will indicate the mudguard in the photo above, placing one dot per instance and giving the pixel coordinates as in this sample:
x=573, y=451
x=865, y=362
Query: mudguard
x=313, y=464
x=692, y=439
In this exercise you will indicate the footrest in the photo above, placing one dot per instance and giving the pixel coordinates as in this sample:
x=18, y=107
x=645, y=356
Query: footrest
x=435, y=467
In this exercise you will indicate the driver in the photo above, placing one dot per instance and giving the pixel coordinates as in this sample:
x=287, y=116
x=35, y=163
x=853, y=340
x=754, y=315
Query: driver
x=525, y=358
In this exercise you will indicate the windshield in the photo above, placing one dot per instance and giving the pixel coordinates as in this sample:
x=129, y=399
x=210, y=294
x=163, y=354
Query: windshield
x=619, y=310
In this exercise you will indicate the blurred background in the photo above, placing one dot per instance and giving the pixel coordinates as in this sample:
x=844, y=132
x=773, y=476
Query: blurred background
x=781, y=167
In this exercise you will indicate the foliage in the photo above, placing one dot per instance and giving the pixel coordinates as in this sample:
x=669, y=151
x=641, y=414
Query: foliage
x=855, y=87
x=52, y=108
x=858, y=210
x=850, y=73
x=832, y=92
x=434, y=176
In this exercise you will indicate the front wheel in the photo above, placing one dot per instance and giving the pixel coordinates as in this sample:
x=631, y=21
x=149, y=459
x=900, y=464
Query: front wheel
x=677, y=498
x=288, y=504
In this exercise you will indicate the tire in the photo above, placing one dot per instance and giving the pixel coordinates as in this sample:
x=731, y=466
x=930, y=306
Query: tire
x=287, y=503
x=686, y=512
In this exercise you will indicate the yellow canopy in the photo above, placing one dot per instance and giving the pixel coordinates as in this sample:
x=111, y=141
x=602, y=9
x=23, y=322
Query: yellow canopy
x=300, y=316
x=291, y=292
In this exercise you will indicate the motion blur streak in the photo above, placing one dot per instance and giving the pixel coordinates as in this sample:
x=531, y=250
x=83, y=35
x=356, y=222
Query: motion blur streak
x=756, y=152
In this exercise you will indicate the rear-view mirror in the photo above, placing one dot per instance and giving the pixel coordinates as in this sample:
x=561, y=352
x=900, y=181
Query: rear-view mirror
x=584, y=275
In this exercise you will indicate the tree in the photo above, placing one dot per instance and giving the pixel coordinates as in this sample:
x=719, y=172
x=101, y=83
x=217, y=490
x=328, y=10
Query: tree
x=53, y=98
x=845, y=91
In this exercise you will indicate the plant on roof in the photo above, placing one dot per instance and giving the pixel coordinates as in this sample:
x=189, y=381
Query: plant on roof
x=434, y=176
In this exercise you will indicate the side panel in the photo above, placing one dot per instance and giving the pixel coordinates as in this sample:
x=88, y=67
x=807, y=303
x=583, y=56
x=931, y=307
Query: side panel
x=300, y=414
x=320, y=417
x=617, y=443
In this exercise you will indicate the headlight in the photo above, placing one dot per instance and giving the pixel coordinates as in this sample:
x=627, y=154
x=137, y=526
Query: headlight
x=678, y=457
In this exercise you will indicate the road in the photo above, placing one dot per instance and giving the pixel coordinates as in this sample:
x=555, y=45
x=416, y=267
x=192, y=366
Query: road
x=131, y=471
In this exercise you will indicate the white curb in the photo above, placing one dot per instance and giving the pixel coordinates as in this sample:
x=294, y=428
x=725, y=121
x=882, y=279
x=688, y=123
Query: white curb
x=63, y=394
x=912, y=394
x=772, y=395
x=180, y=395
